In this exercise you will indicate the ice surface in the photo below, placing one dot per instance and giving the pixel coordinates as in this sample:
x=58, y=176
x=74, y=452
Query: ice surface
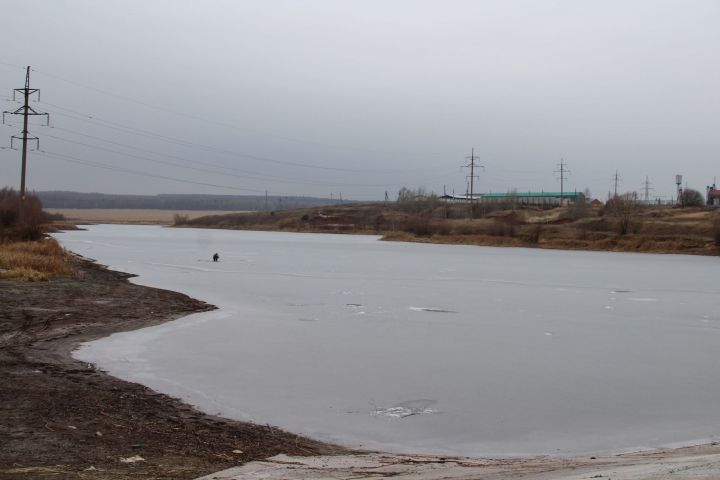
x=426, y=348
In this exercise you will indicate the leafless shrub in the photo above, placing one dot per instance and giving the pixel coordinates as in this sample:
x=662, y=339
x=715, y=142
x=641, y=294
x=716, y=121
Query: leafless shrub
x=499, y=228
x=11, y=226
x=691, y=198
x=9, y=207
x=419, y=200
x=418, y=225
x=441, y=227
x=624, y=208
x=579, y=208
x=534, y=233
x=491, y=227
x=181, y=219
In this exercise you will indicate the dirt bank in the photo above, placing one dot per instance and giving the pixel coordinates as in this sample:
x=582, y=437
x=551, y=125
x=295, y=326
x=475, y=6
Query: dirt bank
x=61, y=418
x=694, y=231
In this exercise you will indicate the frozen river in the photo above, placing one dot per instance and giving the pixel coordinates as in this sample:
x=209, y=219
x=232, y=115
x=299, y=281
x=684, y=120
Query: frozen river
x=425, y=348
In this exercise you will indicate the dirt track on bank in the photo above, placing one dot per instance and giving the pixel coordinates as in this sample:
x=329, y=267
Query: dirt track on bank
x=61, y=418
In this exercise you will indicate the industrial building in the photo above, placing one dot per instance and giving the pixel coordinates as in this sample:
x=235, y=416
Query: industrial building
x=713, y=196
x=520, y=198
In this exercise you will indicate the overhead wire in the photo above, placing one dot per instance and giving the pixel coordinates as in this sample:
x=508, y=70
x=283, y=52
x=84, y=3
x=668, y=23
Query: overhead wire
x=71, y=159
x=217, y=122
x=204, y=170
x=89, y=118
x=212, y=164
x=104, y=123
x=104, y=166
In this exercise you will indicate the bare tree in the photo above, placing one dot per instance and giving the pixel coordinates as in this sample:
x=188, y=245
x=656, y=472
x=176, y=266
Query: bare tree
x=624, y=208
x=692, y=198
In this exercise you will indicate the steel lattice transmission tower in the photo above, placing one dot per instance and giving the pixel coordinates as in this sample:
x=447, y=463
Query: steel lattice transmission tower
x=472, y=178
x=647, y=188
x=26, y=111
x=616, y=179
x=563, y=174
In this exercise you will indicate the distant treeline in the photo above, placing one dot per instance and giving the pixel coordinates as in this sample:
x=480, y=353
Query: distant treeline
x=60, y=199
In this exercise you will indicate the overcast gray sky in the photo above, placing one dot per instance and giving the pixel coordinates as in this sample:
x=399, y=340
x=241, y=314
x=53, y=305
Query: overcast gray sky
x=362, y=97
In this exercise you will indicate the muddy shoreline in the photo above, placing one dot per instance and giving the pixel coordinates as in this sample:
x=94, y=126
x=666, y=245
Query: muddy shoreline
x=62, y=418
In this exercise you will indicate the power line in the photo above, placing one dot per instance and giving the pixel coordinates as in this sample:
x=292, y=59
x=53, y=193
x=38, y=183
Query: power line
x=104, y=123
x=647, y=188
x=216, y=122
x=152, y=135
x=26, y=111
x=472, y=178
x=563, y=171
x=114, y=168
x=68, y=158
x=616, y=179
x=199, y=169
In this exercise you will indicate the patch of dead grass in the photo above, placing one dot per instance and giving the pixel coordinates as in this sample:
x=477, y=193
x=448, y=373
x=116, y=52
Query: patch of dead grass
x=34, y=261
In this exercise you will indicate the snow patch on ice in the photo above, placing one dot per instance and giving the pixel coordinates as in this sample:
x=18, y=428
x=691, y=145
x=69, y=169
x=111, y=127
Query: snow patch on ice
x=407, y=409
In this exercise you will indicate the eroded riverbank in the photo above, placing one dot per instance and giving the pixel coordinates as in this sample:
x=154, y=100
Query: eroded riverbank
x=62, y=418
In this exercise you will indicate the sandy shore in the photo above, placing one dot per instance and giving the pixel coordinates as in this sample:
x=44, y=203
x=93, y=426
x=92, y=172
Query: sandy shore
x=694, y=463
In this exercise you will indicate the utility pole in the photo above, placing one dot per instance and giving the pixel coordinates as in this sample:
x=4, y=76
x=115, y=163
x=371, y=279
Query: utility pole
x=26, y=111
x=472, y=178
x=563, y=171
x=266, y=201
x=340, y=198
x=616, y=179
x=647, y=188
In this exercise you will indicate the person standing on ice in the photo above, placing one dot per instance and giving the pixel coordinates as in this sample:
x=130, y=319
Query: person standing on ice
x=216, y=257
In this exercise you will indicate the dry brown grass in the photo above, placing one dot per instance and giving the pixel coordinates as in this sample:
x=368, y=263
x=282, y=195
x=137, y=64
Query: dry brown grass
x=34, y=261
x=127, y=215
x=649, y=229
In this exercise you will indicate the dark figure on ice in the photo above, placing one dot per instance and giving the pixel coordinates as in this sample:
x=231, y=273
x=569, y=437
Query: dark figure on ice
x=216, y=257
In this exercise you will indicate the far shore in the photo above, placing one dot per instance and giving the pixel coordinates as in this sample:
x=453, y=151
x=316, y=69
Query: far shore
x=641, y=229
x=130, y=215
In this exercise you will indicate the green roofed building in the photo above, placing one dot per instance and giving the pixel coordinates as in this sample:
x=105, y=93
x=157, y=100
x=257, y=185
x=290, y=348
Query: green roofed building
x=522, y=198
